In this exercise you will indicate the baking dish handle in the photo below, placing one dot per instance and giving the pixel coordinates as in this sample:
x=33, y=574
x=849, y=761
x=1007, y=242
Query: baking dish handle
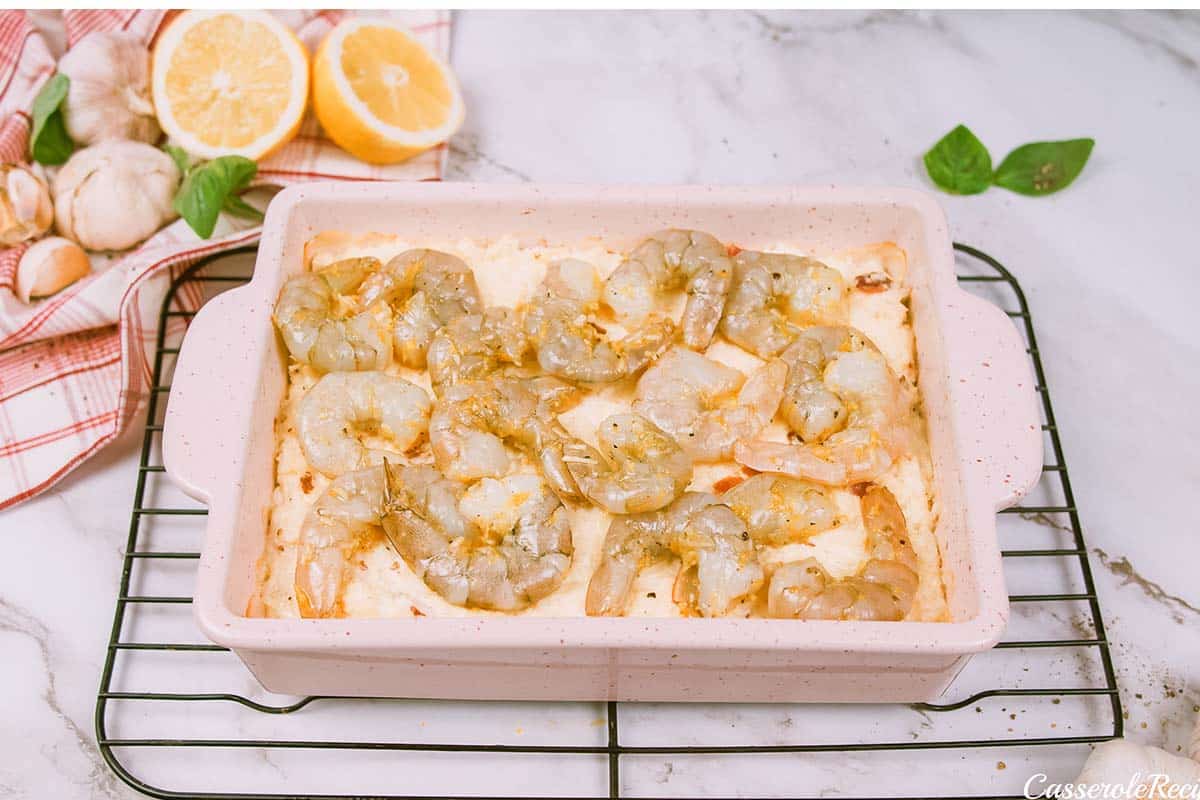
x=199, y=433
x=1001, y=429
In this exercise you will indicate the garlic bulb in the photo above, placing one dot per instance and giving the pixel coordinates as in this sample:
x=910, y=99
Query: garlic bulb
x=109, y=96
x=112, y=195
x=1142, y=770
x=1124, y=763
x=25, y=207
x=50, y=265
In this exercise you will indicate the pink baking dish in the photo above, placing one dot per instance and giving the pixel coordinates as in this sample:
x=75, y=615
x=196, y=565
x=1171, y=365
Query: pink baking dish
x=983, y=424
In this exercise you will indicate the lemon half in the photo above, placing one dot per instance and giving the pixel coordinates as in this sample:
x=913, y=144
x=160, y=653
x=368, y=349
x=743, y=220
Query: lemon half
x=229, y=82
x=380, y=94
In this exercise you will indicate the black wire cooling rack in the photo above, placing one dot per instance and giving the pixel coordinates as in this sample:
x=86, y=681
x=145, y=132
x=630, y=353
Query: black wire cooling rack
x=177, y=717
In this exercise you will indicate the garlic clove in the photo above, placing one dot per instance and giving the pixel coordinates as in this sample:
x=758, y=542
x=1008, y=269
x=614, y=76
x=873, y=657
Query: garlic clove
x=25, y=207
x=49, y=266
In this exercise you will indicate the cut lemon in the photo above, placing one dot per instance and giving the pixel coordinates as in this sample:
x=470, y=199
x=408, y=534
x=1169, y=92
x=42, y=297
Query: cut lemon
x=228, y=82
x=380, y=95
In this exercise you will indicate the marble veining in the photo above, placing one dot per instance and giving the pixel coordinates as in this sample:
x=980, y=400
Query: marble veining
x=1109, y=267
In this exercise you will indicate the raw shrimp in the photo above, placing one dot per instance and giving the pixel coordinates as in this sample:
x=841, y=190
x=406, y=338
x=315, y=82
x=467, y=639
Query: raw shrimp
x=642, y=468
x=883, y=589
x=719, y=565
x=343, y=521
x=846, y=405
x=475, y=346
x=413, y=330
x=500, y=544
x=667, y=260
x=571, y=345
x=472, y=421
x=444, y=277
x=779, y=510
x=429, y=289
x=706, y=405
x=344, y=405
x=774, y=294
x=316, y=332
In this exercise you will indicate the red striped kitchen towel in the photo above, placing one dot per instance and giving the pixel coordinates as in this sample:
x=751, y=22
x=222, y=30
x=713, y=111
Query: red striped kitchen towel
x=75, y=368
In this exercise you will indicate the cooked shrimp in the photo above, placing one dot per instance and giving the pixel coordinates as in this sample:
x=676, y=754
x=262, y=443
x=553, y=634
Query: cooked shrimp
x=706, y=405
x=883, y=589
x=504, y=544
x=779, y=510
x=667, y=260
x=315, y=331
x=642, y=467
x=846, y=405
x=774, y=294
x=429, y=288
x=343, y=521
x=344, y=405
x=472, y=422
x=571, y=346
x=475, y=346
x=719, y=565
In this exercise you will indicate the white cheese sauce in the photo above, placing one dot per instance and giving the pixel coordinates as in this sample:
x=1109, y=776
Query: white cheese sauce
x=508, y=272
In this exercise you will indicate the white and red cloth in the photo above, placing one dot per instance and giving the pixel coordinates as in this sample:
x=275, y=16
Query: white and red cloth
x=76, y=368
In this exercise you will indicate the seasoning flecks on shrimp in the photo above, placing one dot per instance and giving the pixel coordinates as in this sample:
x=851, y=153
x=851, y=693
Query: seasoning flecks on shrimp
x=775, y=294
x=319, y=333
x=882, y=589
x=668, y=260
x=718, y=568
x=638, y=467
x=568, y=341
x=429, y=289
x=473, y=421
x=499, y=544
x=706, y=405
x=476, y=346
x=345, y=405
x=343, y=522
x=846, y=406
x=780, y=510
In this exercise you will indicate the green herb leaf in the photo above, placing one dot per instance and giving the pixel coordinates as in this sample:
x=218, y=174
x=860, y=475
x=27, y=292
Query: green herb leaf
x=48, y=140
x=1042, y=168
x=180, y=157
x=240, y=208
x=959, y=163
x=208, y=187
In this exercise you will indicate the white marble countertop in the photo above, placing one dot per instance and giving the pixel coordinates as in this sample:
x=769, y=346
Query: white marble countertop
x=1109, y=266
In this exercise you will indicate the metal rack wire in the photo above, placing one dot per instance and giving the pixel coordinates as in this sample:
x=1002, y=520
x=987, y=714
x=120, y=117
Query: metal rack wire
x=177, y=717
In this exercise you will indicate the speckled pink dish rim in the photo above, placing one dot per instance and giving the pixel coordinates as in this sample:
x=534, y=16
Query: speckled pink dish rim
x=974, y=374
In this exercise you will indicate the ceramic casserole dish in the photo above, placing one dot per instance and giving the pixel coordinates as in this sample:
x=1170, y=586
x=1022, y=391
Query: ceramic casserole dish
x=974, y=375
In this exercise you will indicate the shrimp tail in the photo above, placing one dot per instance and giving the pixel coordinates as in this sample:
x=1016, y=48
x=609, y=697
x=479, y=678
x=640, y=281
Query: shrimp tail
x=610, y=587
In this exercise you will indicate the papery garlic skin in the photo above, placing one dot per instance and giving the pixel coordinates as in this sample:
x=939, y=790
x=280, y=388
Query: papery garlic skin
x=25, y=207
x=1123, y=763
x=112, y=195
x=49, y=266
x=109, y=95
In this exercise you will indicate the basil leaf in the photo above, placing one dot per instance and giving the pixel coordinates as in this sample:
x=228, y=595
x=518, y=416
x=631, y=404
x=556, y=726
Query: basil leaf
x=240, y=208
x=179, y=156
x=1041, y=168
x=207, y=188
x=959, y=163
x=48, y=139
